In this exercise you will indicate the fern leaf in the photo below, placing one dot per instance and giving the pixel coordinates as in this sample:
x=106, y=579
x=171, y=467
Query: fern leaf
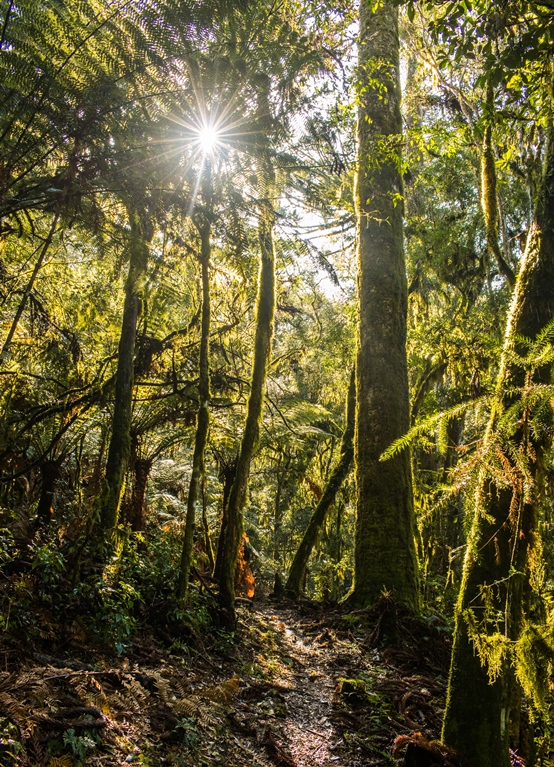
x=222, y=693
x=188, y=707
x=429, y=424
x=11, y=706
x=162, y=686
x=61, y=761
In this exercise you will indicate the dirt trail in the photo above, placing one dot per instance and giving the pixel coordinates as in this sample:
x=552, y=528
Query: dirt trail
x=330, y=699
x=313, y=681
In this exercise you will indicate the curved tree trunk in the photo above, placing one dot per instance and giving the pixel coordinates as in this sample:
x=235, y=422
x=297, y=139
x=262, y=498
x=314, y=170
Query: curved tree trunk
x=385, y=557
x=477, y=714
x=297, y=571
x=203, y=418
x=262, y=347
x=27, y=292
x=120, y=442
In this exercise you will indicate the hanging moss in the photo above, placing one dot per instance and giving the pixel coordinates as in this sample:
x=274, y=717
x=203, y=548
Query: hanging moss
x=489, y=193
x=497, y=569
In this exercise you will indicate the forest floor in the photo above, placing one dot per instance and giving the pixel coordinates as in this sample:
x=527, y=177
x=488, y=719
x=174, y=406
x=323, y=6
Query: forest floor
x=300, y=685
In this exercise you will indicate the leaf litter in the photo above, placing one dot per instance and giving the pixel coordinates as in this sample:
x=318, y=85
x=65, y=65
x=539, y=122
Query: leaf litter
x=302, y=686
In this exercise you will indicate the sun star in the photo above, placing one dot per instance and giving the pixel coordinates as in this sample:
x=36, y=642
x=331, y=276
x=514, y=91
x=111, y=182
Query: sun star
x=208, y=138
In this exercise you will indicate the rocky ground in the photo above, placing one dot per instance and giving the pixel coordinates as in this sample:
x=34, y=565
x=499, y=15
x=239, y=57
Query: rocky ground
x=299, y=686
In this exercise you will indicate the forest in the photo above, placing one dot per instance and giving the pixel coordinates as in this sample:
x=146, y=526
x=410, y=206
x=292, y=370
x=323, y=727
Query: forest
x=277, y=410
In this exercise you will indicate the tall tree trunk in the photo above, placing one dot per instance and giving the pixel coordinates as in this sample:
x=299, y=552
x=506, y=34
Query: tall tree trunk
x=282, y=476
x=300, y=562
x=208, y=546
x=120, y=442
x=477, y=714
x=203, y=418
x=385, y=555
x=265, y=312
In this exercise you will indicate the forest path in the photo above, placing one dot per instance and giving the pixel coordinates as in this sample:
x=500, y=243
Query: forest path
x=327, y=697
x=311, y=663
x=299, y=685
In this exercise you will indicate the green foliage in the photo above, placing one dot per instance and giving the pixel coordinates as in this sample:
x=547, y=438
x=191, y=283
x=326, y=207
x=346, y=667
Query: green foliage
x=10, y=746
x=81, y=745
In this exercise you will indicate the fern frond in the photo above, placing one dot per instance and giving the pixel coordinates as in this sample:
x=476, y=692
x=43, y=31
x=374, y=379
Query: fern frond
x=429, y=424
x=222, y=693
x=162, y=686
x=135, y=693
x=11, y=706
x=61, y=761
x=188, y=707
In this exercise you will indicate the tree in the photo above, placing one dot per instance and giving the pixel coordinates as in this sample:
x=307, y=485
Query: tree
x=385, y=552
x=203, y=417
x=338, y=475
x=120, y=443
x=496, y=569
x=265, y=310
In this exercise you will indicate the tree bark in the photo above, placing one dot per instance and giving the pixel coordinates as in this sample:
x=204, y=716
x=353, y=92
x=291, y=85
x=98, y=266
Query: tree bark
x=120, y=442
x=385, y=558
x=265, y=312
x=477, y=713
x=297, y=570
x=137, y=509
x=203, y=418
x=227, y=473
x=50, y=472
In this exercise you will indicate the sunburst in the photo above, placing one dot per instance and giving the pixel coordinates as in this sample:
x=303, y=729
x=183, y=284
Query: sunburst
x=209, y=139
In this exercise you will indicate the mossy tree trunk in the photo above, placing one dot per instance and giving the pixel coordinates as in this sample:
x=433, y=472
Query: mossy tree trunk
x=297, y=570
x=208, y=545
x=385, y=557
x=495, y=579
x=283, y=473
x=194, y=498
x=265, y=312
x=120, y=443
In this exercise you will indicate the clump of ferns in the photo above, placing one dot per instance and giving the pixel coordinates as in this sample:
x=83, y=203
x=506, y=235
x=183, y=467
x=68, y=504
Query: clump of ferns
x=517, y=421
x=519, y=418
